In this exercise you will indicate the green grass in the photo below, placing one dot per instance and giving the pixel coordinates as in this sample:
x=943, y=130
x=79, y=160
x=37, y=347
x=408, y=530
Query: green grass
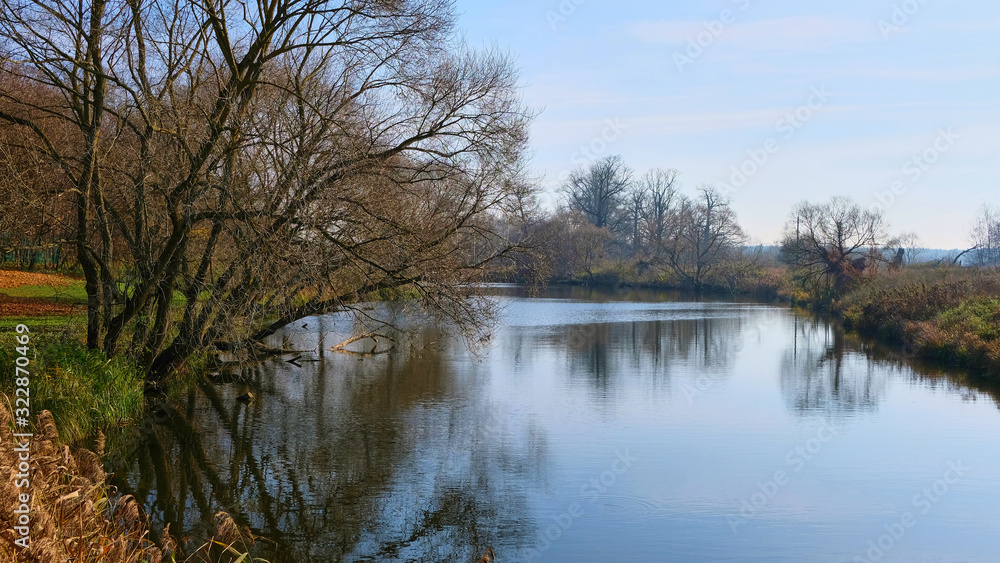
x=74, y=292
x=83, y=390
x=48, y=323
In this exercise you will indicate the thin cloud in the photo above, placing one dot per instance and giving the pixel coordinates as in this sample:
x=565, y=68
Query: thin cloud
x=791, y=34
x=968, y=26
x=976, y=72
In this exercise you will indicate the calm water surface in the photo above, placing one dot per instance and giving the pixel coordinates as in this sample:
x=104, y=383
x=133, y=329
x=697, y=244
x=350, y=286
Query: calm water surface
x=595, y=427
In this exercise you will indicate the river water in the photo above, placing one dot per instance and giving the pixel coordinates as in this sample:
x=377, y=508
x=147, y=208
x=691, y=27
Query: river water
x=596, y=426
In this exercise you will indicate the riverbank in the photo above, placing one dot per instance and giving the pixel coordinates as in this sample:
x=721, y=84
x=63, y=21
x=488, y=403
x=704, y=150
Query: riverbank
x=940, y=313
x=944, y=314
x=772, y=283
x=84, y=391
x=63, y=510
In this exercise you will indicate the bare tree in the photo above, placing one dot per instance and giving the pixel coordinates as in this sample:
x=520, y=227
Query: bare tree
x=741, y=267
x=587, y=246
x=599, y=191
x=836, y=242
x=235, y=166
x=33, y=218
x=985, y=237
x=703, y=235
x=907, y=250
x=635, y=209
x=661, y=189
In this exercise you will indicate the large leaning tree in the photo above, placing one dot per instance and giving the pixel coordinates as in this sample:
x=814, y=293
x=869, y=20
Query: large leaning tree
x=234, y=165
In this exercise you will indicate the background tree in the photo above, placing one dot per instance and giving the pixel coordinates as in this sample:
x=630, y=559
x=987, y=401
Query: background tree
x=587, y=247
x=907, y=250
x=661, y=194
x=835, y=242
x=36, y=212
x=985, y=237
x=599, y=191
x=634, y=210
x=703, y=235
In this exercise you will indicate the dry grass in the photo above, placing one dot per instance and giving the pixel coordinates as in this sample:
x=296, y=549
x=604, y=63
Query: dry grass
x=76, y=516
x=948, y=314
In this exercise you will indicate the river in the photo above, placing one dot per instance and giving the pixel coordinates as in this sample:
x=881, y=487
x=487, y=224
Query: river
x=595, y=426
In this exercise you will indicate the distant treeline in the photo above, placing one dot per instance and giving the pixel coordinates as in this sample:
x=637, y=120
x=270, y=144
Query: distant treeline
x=615, y=227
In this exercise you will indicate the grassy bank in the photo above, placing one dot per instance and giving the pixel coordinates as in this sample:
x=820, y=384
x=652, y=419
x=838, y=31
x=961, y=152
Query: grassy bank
x=769, y=283
x=940, y=313
x=74, y=514
x=84, y=391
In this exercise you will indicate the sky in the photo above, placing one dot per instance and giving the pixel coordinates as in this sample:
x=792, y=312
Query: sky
x=892, y=103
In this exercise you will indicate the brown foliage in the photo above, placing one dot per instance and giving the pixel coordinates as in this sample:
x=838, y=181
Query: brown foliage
x=948, y=314
x=76, y=516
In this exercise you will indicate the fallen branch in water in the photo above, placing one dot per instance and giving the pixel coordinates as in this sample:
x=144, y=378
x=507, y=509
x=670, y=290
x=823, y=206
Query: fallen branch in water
x=374, y=335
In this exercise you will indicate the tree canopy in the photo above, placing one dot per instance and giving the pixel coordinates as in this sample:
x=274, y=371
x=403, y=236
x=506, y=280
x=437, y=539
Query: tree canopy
x=231, y=166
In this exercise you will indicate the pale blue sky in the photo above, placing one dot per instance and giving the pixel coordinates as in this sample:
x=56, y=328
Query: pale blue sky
x=626, y=70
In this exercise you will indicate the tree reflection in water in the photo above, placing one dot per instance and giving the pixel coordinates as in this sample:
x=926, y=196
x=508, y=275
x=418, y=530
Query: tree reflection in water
x=425, y=454
x=820, y=373
x=705, y=347
x=837, y=374
x=385, y=458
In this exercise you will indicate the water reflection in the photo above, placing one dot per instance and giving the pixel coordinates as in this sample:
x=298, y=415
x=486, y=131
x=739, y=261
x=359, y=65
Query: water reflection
x=828, y=371
x=820, y=373
x=932, y=375
x=376, y=459
x=429, y=453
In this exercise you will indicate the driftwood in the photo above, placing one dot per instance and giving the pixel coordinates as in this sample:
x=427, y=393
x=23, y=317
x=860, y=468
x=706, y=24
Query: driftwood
x=374, y=335
x=254, y=347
